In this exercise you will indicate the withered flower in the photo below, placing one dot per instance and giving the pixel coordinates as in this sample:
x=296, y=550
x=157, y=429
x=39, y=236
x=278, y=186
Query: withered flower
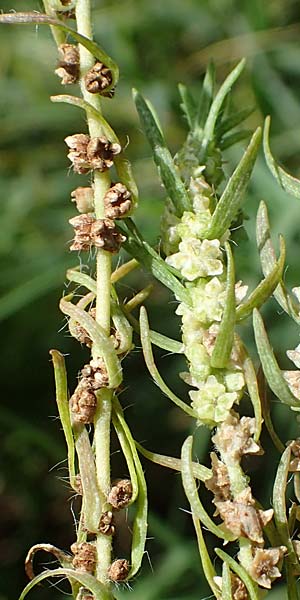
x=120, y=494
x=98, y=78
x=83, y=404
x=118, y=570
x=219, y=483
x=84, y=557
x=117, y=202
x=95, y=374
x=242, y=518
x=82, y=227
x=234, y=437
x=263, y=567
x=77, y=154
x=68, y=66
x=101, y=152
x=84, y=199
x=106, y=236
x=106, y=525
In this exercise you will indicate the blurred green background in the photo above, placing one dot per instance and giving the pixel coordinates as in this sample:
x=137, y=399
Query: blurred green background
x=156, y=44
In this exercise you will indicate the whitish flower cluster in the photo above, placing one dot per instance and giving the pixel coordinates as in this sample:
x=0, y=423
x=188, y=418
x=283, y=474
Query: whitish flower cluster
x=201, y=262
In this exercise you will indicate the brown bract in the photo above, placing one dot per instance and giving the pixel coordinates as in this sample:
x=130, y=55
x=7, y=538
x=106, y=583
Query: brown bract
x=263, y=568
x=68, y=66
x=219, y=483
x=84, y=199
x=242, y=518
x=98, y=78
x=84, y=557
x=118, y=570
x=117, y=202
x=106, y=236
x=120, y=494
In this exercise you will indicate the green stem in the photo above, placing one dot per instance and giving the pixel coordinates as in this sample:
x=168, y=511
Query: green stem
x=101, y=185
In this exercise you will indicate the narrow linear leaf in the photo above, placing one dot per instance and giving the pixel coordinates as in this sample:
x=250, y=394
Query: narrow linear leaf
x=240, y=572
x=127, y=452
x=252, y=386
x=226, y=582
x=217, y=103
x=233, y=121
x=62, y=400
x=27, y=18
x=207, y=565
x=279, y=506
x=199, y=471
x=207, y=95
x=192, y=495
x=162, y=157
x=139, y=532
x=86, y=580
x=266, y=412
x=92, y=500
x=123, y=328
x=138, y=298
x=265, y=288
x=158, y=339
x=268, y=262
x=103, y=346
x=234, y=192
x=149, y=359
x=234, y=138
x=289, y=184
x=224, y=341
x=82, y=279
x=270, y=366
x=188, y=105
x=123, y=270
x=89, y=109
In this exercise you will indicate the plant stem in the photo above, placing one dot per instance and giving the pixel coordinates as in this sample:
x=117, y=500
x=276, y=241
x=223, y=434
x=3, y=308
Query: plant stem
x=101, y=185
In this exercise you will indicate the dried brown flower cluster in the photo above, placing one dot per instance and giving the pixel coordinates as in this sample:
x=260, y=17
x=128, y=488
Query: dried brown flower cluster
x=83, y=402
x=118, y=570
x=120, y=494
x=88, y=154
x=84, y=557
x=98, y=79
x=68, y=66
x=100, y=233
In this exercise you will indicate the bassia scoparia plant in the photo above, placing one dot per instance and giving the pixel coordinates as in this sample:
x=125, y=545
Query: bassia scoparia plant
x=202, y=216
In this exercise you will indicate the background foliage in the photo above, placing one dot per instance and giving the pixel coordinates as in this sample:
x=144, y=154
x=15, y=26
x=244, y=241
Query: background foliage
x=157, y=44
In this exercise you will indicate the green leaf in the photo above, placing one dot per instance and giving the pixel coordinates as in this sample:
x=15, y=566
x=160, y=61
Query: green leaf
x=102, y=345
x=207, y=565
x=233, y=195
x=252, y=386
x=289, y=184
x=25, y=18
x=226, y=582
x=268, y=262
x=265, y=288
x=270, y=366
x=123, y=328
x=91, y=111
x=279, y=506
x=162, y=157
x=82, y=279
x=139, y=532
x=158, y=339
x=127, y=447
x=234, y=138
x=241, y=573
x=235, y=119
x=266, y=413
x=86, y=580
x=188, y=105
x=191, y=492
x=207, y=95
x=209, y=128
x=199, y=471
x=224, y=341
x=62, y=400
x=149, y=359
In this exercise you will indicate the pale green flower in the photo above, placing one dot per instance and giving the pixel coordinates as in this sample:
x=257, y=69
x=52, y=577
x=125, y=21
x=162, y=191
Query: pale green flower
x=211, y=402
x=199, y=360
x=169, y=223
x=234, y=381
x=197, y=259
x=208, y=300
x=193, y=225
x=201, y=192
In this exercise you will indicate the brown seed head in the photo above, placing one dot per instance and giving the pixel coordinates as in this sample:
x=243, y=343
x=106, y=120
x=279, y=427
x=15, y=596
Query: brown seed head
x=219, y=483
x=68, y=66
x=106, y=236
x=98, y=78
x=242, y=518
x=83, y=404
x=78, y=144
x=120, y=494
x=96, y=374
x=106, y=524
x=118, y=570
x=263, y=567
x=84, y=199
x=101, y=152
x=82, y=227
x=84, y=557
x=117, y=202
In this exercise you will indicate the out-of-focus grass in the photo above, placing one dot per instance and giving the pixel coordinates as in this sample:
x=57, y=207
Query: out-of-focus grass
x=157, y=44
